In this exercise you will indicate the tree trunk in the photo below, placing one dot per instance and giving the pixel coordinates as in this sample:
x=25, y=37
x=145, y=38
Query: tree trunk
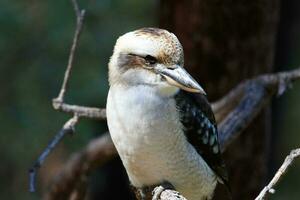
x=226, y=42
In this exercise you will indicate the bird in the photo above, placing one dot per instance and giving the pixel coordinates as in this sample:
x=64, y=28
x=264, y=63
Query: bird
x=159, y=118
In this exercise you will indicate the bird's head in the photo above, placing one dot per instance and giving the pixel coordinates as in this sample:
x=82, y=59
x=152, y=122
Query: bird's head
x=153, y=57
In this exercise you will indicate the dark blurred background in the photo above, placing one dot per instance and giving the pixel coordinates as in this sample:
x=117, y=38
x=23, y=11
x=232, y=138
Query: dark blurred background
x=35, y=37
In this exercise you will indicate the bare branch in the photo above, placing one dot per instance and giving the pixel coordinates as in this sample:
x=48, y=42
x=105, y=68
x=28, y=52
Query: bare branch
x=278, y=81
x=279, y=174
x=247, y=100
x=68, y=128
x=81, y=111
x=79, y=23
x=77, y=10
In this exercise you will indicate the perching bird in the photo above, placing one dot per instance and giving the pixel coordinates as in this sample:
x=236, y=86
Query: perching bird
x=159, y=118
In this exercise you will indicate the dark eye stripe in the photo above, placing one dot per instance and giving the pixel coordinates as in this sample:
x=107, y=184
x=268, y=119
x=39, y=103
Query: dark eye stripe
x=126, y=61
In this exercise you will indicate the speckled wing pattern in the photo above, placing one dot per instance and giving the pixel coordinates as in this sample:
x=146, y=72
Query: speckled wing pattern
x=201, y=130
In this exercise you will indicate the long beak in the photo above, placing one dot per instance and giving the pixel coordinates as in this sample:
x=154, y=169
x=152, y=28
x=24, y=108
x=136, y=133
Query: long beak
x=178, y=77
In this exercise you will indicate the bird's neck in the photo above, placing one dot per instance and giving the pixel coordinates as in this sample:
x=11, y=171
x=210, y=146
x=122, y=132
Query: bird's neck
x=167, y=90
x=163, y=90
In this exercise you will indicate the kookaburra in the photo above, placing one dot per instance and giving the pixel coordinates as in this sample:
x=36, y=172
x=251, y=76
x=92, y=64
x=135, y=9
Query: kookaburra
x=159, y=118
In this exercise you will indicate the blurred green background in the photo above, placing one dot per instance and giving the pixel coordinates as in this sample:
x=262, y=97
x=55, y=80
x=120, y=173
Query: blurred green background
x=35, y=37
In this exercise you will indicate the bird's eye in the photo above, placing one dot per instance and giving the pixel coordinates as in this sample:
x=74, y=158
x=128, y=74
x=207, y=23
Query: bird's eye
x=150, y=60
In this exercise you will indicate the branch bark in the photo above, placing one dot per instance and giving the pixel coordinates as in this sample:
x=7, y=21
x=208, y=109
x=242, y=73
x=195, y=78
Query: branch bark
x=68, y=128
x=79, y=22
x=279, y=174
x=81, y=111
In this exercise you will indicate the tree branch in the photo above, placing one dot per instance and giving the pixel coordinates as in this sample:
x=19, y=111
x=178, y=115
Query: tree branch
x=279, y=174
x=79, y=22
x=68, y=128
x=247, y=100
x=81, y=111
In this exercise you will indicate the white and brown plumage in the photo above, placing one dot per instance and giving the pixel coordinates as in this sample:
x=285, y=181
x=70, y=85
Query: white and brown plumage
x=159, y=118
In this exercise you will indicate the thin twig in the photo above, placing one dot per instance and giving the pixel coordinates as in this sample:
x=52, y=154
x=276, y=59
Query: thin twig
x=68, y=128
x=279, y=174
x=79, y=23
x=76, y=9
x=81, y=111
